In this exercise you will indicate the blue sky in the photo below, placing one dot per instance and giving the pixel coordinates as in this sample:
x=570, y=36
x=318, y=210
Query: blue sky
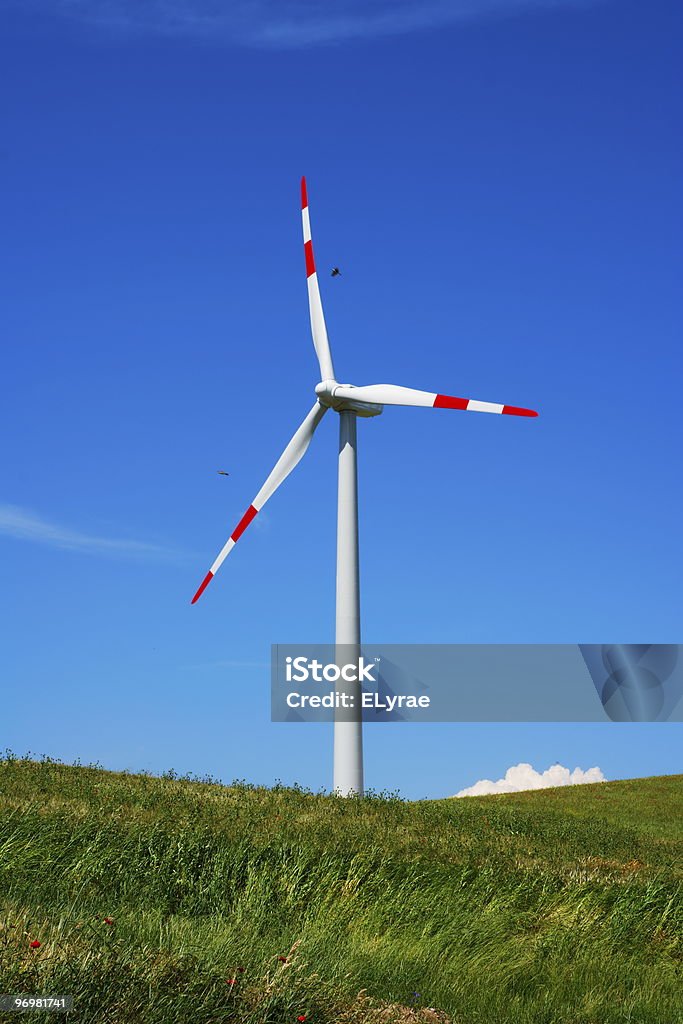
x=499, y=182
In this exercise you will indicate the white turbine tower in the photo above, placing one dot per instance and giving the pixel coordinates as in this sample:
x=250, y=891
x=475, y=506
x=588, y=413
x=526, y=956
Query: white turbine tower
x=349, y=401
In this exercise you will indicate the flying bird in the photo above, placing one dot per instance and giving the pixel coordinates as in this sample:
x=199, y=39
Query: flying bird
x=336, y=272
x=221, y=472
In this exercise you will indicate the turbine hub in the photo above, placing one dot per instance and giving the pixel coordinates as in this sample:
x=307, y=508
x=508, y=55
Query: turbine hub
x=325, y=391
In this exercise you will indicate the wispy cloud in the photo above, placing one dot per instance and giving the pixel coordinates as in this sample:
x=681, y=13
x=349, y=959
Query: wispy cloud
x=284, y=23
x=22, y=524
x=522, y=777
x=229, y=663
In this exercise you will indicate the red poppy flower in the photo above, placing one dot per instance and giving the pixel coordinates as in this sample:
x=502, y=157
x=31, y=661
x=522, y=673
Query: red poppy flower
x=35, y=944
x=231, y=981
x=108, y=920
x=282, y=959
x=301, y=1018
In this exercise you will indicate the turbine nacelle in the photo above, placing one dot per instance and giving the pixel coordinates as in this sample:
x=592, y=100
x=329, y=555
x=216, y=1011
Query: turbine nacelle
x=327, y=392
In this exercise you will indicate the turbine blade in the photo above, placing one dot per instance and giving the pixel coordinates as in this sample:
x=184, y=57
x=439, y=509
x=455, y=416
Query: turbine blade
x=291, y=456
x=392, y=394
x=315, y=306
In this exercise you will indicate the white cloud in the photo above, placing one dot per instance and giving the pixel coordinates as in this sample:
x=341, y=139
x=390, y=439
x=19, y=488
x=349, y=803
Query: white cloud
x=522, y=776
x=284, y=23
x=22, y=524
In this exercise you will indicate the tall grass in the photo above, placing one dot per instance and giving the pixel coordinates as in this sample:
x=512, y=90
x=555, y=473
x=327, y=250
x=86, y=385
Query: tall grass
x=554, y=907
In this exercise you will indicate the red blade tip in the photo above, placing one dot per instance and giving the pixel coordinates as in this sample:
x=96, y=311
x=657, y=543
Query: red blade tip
x=304, y=194
x=515, y=410
x=204, y=584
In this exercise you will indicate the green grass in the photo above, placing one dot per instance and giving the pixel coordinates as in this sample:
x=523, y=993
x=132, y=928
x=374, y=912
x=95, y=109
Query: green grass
x=553, y=907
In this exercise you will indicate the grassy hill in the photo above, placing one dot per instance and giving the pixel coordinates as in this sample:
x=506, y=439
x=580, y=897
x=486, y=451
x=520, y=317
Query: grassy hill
x=150, y=895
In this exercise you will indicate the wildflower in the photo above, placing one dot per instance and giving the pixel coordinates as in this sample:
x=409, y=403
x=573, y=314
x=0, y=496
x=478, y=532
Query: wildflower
x=35, y=944
x=301, y=1018
x=282, y=959
x=231, y=981
x=108, y=920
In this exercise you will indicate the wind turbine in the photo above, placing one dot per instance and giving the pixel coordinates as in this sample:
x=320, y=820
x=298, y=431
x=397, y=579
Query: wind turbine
x=350, y=402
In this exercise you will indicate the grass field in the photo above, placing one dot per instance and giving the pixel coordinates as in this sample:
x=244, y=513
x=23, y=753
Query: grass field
x=554, y=907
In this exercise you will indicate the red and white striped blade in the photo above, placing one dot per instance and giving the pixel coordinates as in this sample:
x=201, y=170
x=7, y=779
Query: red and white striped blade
x=291, y=456
x=392, y=394
x=315, y=306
